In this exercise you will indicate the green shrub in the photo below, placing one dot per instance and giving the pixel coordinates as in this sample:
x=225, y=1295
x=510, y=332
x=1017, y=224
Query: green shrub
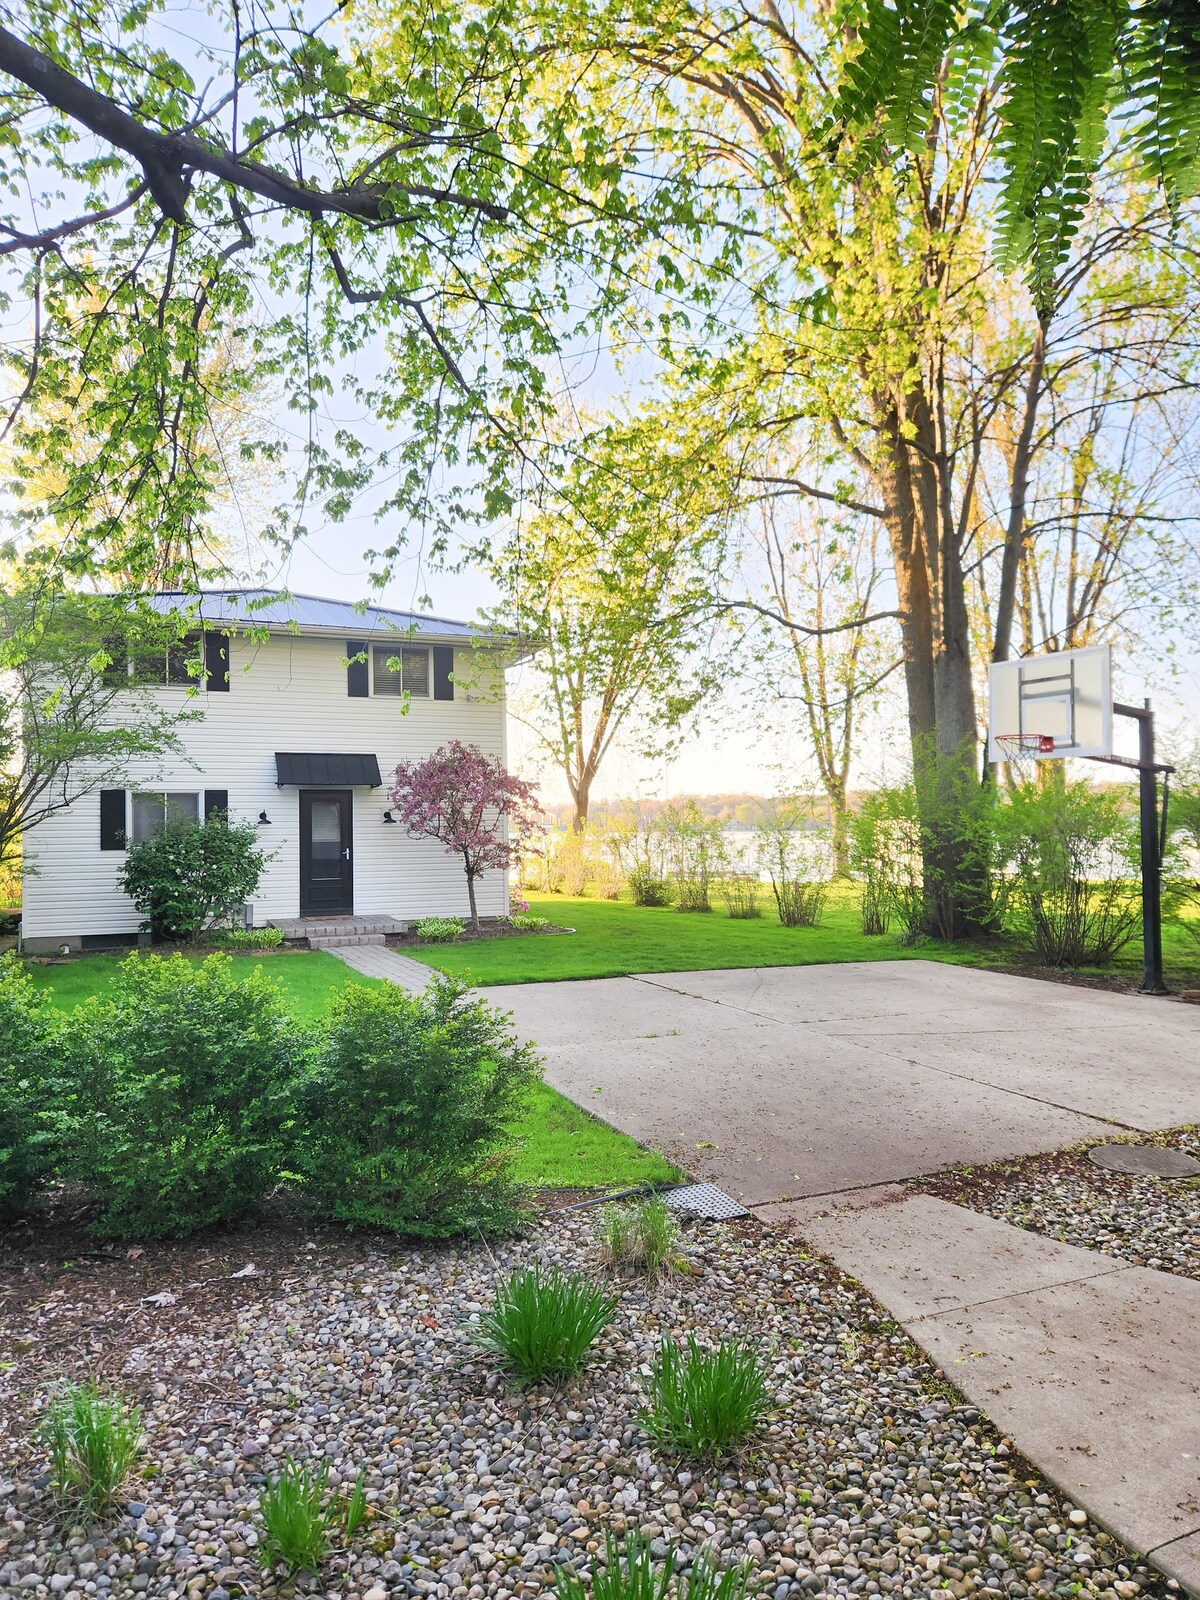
x=873, y=909
x=529, y=924
x=648, y=888
x=695, y=851
x=643, y=1237
x=93, y=1439
x=439, y=930
x=246, y=938
x=297, y=1517
x=707, y=1402
x=1074, y=857
x=543, y=1324
x=404, y=1115
x=181, y=1080
x=801, y=905
x=30, y=1035
x=631, y=1573
x=191, y=873
x=740, y=894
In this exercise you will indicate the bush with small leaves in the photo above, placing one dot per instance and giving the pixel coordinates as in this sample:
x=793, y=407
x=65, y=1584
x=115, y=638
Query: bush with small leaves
x=632, y=1573
x=704, y=1402
x=30, y=1040
x=643, y=1237
x=403, y=1121
x=740, y=893
x=181, y=1080
x=93, y=1438
x=528, y=924
x=649, y=888
x=439, y=930
x=192, y=872
x=543, y=1324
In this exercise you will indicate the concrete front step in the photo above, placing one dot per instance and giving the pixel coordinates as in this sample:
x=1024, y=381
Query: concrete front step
x=336, y=927
x=337, y=941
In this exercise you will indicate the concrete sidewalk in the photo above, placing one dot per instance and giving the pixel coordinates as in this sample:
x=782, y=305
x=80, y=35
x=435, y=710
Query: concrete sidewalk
x=377, y=961
x=1090, y=1366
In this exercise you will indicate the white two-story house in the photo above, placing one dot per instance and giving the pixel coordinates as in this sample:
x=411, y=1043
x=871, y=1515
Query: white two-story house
x=304, y=719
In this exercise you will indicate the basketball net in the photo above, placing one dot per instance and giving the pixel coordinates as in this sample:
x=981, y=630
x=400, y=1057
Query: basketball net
x=1021, y=753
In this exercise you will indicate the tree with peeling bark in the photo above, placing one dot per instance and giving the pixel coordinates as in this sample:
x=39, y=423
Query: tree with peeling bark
x=365, y=197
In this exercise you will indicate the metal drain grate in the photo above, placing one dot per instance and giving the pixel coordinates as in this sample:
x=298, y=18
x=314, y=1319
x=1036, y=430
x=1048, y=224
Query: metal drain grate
x=704, y=1200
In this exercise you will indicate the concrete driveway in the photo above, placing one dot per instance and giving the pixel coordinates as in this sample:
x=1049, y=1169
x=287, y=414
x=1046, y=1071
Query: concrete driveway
x=790, y=1082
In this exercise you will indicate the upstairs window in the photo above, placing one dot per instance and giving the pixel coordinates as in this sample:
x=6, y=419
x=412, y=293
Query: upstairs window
x=401, y=671
x=170, y=666
x=152, y=812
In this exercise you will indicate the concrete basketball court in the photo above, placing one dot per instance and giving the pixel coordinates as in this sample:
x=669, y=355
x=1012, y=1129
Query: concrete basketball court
x=810, y=1092
x=781, y=1083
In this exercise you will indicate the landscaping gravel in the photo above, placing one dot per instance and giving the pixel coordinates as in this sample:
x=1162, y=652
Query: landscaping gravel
x=1151, y=1222
x=871, y=1478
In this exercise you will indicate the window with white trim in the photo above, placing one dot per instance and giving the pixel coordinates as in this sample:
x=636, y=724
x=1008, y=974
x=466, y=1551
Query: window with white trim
x=152, y=812
x=401, y=671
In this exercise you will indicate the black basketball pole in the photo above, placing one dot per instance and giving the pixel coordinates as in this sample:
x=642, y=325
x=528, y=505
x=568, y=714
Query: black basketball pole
x=1148, y=770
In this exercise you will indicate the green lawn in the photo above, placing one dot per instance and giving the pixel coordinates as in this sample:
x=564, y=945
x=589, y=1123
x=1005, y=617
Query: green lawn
x=558, y=1145
x=613, y=938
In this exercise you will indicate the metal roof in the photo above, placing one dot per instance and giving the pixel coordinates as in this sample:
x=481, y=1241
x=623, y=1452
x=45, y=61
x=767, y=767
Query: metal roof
x=316, y=767
x=280, y=609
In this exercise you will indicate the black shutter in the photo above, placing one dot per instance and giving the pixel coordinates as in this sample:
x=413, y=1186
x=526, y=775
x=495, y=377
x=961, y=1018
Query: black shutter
x=443, y=669
x=358, y=682
x=112, y=819
x=216, y=661
x=215, y=800
x=116, y=673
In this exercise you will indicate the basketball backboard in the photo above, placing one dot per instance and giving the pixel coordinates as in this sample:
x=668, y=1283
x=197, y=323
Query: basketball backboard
x=1065, y=697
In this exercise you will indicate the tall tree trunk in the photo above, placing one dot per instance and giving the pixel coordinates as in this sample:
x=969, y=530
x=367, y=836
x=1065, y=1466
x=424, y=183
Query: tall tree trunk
x=581, y=794
x=931, y=586
x=839, y=828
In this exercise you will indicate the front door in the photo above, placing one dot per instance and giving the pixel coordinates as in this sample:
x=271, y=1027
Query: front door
x=326, y=852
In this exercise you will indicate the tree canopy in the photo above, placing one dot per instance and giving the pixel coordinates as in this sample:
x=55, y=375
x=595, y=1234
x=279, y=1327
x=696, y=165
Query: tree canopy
x=1062, y=70
x=363, y=197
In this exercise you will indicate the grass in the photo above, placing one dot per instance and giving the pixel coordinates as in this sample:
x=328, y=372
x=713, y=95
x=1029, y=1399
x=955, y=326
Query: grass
x=93, y=1439
x=704, y=1403
x=614, y=938
x=558, y=1146
x=296, y=1518
x=632, y=1573
x=643, y=1237
x=543, y=1324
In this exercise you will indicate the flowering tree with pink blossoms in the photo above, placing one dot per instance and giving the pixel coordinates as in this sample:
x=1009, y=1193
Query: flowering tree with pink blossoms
x=464, y=798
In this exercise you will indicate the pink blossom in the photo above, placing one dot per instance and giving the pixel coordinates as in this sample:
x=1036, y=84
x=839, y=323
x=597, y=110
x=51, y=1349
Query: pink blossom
x=464, y=798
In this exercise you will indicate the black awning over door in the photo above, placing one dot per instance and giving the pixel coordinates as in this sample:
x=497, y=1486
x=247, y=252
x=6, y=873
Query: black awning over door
x=326, y=771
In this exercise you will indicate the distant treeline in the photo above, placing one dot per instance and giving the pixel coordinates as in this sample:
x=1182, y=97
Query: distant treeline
x=746, y=810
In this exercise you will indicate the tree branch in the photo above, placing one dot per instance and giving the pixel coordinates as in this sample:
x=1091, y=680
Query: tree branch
x=165, y=158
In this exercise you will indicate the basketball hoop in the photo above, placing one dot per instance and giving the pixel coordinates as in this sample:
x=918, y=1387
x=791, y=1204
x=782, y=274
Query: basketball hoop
x=1022, y=750
x=1016, y=745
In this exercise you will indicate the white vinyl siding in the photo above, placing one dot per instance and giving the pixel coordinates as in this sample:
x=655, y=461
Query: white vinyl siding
x=286, y=693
